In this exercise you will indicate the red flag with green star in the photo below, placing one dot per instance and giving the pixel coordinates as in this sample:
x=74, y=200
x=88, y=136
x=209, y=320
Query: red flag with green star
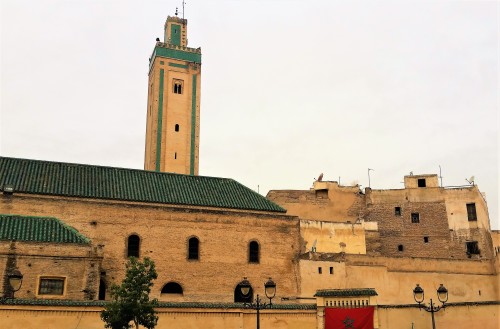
x=349, y=318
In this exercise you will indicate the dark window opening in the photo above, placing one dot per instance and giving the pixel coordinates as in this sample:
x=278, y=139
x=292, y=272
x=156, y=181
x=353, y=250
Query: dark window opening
x=400, y=247
x=133, y=246
x=253, y=252
x=320, y=270
x=397, y=211
x=177, y=87
x=471, y=212
x=172, y=288
x=331, y=270
x=175, y=155
x=176, y=127
x=421, y=182
x=102, y=289
x=193, y=248
x=239, y=298
x=415, y=217
x=426, y=239
x=472, y=248
x=51, y=286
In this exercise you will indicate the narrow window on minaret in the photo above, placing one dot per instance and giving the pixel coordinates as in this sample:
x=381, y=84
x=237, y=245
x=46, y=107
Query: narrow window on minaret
x=176, y=127
x=175, y=155
x=178, y=86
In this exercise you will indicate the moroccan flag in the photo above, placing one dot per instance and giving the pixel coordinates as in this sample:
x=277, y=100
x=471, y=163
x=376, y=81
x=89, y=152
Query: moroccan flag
x=349, y=318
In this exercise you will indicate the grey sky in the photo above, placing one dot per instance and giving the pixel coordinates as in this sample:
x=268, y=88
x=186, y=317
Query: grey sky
x=290, y=89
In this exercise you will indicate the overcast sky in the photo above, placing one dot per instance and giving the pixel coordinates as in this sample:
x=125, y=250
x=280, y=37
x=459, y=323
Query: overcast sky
x=290, y=89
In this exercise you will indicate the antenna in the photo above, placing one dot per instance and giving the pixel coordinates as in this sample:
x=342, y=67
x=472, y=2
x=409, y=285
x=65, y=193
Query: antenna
x=183, y=3
x=369, y=182
x=313, y=247
x=440, y=177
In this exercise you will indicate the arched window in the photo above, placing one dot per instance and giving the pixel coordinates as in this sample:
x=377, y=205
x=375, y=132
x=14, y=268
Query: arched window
x=239, y=298
x=102, y=289
x=133, y=246
x=253, y=252
x=178, y=86
x=172, y=288
x=193, y=248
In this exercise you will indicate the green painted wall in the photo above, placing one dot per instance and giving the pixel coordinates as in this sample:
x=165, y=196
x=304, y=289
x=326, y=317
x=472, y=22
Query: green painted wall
x=175, y=34
x=193, y=124
x=182, y=66
x=160, y=120
x=176, y=54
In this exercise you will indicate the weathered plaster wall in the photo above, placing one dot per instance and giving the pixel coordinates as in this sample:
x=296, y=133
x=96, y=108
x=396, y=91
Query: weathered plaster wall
x=333, y=237
x=395, y=278
x=78, y=264
x=454, y=316
x=326, y=202
x=43, y=317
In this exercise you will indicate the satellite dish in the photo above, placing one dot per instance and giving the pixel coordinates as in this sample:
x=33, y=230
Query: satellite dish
x=470, y=180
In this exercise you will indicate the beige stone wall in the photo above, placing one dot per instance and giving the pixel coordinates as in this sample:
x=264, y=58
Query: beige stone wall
x=164, y=231
x=445, y=226
x=395, y=278
x=78, y=264
x=43, y=317
x=495, y=236
x=327, y=202
x=412, y=181
x=467, y=316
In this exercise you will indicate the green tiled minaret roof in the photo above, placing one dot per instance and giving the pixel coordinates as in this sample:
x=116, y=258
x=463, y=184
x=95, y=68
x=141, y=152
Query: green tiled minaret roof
x=38, y=229
x=86, y=181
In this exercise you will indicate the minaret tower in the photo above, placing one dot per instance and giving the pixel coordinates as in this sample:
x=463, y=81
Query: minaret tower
x=173, y=114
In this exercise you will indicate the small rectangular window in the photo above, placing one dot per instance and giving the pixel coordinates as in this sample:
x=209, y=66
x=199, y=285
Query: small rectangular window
x=51, y=286
x=415, y=217
x=331, y=270
x=426, y=239
x=397, y=211
x=400, y=247
x=421, y=182
x=472, y=248
x=471, y=212
x=320, y=270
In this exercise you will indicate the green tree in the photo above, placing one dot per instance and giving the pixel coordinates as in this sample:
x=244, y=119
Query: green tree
x=130, y=301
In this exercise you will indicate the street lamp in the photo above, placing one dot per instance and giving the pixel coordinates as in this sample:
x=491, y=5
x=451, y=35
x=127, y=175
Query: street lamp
x=442, y=293
x=270, y=290
x=15, y=281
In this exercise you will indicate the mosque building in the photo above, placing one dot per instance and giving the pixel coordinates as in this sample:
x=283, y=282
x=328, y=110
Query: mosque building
x=335, y=252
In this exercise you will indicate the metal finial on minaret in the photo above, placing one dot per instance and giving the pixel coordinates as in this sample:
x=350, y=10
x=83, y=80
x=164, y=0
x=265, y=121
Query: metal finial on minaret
x=183, y=3
x=176, y=11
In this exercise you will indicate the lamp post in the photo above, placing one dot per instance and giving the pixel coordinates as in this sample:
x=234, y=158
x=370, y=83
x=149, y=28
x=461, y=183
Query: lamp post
x=270, y=290
x=442, y=293
x=15, y=282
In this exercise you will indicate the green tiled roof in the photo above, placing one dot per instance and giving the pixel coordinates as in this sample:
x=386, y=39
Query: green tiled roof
x=346, y=292
x=38, y=229
x=67, y=179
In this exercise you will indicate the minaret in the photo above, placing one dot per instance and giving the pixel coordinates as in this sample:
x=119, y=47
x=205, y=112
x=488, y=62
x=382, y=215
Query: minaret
x=173, y=114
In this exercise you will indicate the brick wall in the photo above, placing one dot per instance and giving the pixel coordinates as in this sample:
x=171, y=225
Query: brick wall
x=164, y=231
x=77, y=264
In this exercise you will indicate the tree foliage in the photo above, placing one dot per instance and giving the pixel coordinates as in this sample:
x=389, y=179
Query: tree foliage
x=130, y=301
